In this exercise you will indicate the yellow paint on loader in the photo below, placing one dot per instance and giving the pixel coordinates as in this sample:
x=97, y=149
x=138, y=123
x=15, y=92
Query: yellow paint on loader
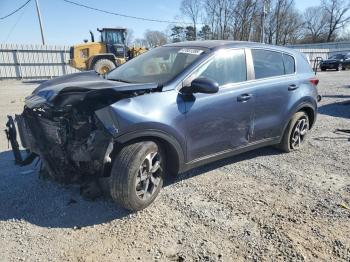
x=82, y=53
x=111, y=51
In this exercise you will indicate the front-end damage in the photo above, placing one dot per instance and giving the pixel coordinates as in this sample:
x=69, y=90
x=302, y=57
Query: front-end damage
x=67, y=131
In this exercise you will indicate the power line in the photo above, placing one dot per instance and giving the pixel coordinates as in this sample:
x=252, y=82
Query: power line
x=14, y=26
x=124, y=15
x=15, y=11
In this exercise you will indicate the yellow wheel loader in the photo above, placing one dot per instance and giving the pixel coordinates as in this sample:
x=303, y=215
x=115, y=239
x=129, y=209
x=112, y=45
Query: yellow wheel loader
x=105, y=55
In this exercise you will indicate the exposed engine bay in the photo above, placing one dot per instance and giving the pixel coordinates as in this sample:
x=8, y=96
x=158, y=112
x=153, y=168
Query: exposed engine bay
x=61, y=127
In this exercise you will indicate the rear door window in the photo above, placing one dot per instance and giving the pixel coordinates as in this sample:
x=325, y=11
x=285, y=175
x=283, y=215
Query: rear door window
x=267, y=63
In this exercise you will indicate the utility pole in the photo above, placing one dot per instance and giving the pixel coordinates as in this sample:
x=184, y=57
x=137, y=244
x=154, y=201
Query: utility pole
x=263, y=23
x=40, y=22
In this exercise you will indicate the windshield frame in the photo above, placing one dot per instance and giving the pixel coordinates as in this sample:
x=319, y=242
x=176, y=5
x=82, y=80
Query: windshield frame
x=174, y=78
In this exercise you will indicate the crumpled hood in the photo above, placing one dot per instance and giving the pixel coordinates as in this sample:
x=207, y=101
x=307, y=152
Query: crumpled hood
x=80, y=82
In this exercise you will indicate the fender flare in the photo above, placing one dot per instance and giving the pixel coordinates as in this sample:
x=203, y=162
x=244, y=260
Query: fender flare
x=157, y=134
x=297, y=109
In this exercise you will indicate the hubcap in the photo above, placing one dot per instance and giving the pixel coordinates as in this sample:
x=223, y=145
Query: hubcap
x=300, y=129
x=148, y=176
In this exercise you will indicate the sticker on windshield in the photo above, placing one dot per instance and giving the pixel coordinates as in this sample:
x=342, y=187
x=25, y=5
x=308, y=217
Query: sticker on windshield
x=190, y=51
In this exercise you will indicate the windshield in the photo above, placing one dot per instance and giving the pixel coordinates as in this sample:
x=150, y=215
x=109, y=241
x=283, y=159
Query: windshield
x=113, y=37
x=159, y=65
x=336, y=57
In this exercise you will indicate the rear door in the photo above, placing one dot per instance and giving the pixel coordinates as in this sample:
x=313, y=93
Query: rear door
x=219, y=122
x=275, y=82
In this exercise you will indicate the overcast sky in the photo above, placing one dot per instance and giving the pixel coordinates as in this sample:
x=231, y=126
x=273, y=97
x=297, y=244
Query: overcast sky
x=68, y=24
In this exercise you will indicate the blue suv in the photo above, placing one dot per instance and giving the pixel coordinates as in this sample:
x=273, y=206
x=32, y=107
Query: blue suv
x=169, y=110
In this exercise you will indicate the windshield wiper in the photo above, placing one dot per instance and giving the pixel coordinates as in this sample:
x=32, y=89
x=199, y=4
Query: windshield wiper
x=118, y=80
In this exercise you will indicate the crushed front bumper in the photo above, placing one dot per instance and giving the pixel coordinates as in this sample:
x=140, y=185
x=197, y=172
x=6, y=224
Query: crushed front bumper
x=25, y=138
x=64, y=158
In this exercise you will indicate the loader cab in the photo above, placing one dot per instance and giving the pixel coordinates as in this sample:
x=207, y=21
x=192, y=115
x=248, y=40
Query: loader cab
x=114, y=39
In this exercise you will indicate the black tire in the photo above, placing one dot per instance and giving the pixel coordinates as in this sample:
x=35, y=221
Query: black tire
x=103, y=66
x=323, y=69
x=129, y=167
x=286, y=144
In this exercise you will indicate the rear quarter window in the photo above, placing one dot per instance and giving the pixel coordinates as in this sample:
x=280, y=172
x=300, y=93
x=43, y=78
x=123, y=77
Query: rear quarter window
x=289, y=64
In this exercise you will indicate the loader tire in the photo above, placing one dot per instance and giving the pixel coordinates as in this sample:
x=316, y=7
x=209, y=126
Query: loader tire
x=103, y=66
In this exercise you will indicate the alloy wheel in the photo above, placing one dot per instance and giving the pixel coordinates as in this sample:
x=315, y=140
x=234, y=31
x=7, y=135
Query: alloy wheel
x=299, y=131
x=149, y=176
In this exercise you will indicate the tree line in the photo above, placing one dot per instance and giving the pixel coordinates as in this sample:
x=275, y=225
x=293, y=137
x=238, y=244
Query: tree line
x=276, y=22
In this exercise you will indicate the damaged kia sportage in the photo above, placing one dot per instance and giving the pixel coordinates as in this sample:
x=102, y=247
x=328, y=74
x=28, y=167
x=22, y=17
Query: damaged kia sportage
x=169, y=110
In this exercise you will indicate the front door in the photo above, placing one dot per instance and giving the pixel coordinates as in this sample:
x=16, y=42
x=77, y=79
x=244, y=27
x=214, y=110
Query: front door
x=220, y=122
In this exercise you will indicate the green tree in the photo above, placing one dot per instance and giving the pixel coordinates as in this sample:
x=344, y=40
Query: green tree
x=205, y=33
x=177, y=34
x=190, y=33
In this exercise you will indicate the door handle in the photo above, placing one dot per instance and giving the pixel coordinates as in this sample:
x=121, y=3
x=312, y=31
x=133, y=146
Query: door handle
x=244, y=97
x=292, y=87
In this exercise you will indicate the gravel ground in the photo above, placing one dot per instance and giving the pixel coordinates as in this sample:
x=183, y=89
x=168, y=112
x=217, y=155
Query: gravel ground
x=260, y=206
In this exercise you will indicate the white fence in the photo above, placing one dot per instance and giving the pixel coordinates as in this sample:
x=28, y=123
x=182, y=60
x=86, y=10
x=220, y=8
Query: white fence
x=33, y=61
x=47, y=61
x=323, y=50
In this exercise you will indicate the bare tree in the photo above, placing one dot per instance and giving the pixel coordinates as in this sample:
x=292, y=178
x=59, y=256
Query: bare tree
x=284, y=24
x=219, y=15
x=140, y=42
x=337, y=16
x=345, y=35
x=291, y=27
x=314, y=25
x=192, y=9
x=245, y=13
x=129, y=37
x=155, y=38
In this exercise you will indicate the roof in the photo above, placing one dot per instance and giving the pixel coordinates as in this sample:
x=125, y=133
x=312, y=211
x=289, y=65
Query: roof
x=216, y=44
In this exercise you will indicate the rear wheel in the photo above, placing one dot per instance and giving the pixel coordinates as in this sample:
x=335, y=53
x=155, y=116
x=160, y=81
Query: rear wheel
x=295, y=133
x=137, y=175
x=103, y=66
x=323, y=69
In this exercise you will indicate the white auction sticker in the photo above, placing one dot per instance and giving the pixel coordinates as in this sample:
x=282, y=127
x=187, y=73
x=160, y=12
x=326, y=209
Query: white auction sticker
x=191, y=51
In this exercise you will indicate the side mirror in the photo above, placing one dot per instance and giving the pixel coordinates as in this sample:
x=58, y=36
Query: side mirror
x=201, y=85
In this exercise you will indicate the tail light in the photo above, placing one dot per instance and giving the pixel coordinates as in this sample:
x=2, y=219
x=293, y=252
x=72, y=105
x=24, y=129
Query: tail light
x=314, y=81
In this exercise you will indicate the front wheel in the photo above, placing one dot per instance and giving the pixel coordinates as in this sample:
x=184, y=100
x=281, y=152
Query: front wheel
x=137, y=175
x=103, y=66
x=295, y=133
